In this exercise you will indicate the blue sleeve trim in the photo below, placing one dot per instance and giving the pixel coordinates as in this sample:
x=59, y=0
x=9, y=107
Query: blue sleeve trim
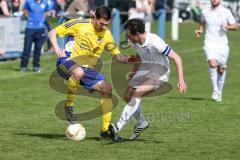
x=166, y=51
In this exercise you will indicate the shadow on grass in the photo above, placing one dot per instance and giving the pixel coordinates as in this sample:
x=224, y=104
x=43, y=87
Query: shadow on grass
x=56, y=136
x=109, y=141
x=17, y=69
x=42, y=135
x=135, y=141
x=192, y=98
x=12, y=69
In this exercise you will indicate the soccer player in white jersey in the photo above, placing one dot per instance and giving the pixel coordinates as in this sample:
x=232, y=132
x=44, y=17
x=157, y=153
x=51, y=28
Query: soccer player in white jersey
x=153, y=71
x=216, y=21
x=2, y=52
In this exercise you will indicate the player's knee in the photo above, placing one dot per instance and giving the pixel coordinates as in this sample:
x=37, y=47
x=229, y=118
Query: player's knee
x=106, y=89
x=77, y=73
x=213, y=65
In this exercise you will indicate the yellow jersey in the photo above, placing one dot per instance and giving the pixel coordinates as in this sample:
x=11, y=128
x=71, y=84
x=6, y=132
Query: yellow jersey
x=89, y=44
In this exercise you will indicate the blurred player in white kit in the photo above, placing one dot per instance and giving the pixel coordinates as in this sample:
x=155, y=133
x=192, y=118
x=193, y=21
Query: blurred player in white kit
x=216, y=21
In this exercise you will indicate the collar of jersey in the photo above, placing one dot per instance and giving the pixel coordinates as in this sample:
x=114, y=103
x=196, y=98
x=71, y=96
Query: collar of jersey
x=146, y=42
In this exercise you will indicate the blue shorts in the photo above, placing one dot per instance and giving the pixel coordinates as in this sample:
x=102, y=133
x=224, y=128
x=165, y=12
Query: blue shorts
x=89, y=79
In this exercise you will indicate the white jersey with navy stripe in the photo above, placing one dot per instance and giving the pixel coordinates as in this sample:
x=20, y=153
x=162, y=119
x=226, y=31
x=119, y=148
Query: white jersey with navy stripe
x=154, y=51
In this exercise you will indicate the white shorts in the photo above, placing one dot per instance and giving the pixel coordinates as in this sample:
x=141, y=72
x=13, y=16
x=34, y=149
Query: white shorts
x=220, y=53
x=159, y=75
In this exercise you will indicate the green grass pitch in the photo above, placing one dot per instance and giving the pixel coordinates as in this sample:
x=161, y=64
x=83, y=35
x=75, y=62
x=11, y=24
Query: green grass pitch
x=182, y=127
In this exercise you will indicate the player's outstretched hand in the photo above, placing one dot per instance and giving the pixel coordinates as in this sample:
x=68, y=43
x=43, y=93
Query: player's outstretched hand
x=2, y=52
x=60, y=53
x=198, y=33
x=132, y=58
x=182, y=86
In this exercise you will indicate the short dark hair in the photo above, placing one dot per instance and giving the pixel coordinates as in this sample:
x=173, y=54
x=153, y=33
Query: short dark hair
x=135, y=25
x=103, y=12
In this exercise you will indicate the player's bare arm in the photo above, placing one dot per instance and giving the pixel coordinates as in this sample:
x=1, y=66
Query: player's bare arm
x=232, y=27
x=53, y=38
x=199, y=31
x=125, y=59
x=135, y=67
x=178, y=61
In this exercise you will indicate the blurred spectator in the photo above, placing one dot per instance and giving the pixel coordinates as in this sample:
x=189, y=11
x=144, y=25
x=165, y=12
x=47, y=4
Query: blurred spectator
x=92, y=5
x=143, y=11
x=35, y=10
x=159, y=4
x=15, y=6
x=123, y=6
x=47, y=29
x=60, y=6
x=82, y=7
x=9, y=7
x=197, y=11
x=164, y=4
x=170, y=4
x=98, y=3
x=5, y=8
x=52, y=5
x=2, y=52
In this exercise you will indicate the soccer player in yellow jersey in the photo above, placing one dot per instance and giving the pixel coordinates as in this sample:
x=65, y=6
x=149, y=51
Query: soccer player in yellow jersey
x=91, y=38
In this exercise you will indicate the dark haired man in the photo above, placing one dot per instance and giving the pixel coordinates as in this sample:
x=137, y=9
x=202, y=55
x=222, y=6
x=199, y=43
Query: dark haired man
x=151, y=74
x=91, y=38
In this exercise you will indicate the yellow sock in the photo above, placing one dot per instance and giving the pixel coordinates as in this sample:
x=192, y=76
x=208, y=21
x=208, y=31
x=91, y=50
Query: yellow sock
x=72, y=88
x=106, y=107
